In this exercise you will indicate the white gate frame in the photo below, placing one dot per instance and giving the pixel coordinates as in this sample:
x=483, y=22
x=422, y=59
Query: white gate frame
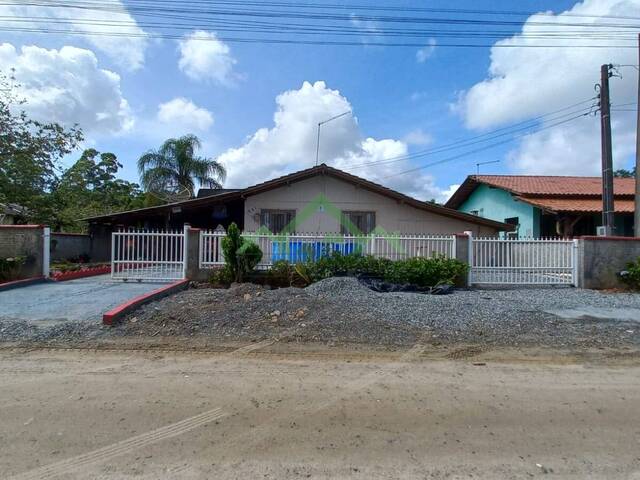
x=149, y=255
x=536, y=262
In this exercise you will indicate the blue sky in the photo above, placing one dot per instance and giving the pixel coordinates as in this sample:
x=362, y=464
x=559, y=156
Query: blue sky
x=129, y=96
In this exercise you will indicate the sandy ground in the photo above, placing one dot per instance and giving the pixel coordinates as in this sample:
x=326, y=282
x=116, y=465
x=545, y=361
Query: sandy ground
x=301, y=414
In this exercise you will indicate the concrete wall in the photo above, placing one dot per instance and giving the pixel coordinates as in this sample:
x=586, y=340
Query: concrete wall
x=69, y=245
x=600, y=259
x=497, y=204
x=24, y=241
x=318, y=201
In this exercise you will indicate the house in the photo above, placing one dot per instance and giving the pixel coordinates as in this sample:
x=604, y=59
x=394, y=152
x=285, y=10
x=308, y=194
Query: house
x=545, y=206
x=320, y=199
x=11, y=213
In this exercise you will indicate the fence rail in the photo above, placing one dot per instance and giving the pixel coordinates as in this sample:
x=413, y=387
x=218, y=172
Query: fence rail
x=523, y=261
x=301, y=247
x=150, y=255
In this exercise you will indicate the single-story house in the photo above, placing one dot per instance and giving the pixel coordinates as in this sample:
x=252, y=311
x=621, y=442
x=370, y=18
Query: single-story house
x=545, y=206
x=320, y=199
x=11, y=213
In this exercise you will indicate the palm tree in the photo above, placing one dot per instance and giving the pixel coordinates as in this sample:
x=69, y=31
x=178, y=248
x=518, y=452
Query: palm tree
x=174, y=168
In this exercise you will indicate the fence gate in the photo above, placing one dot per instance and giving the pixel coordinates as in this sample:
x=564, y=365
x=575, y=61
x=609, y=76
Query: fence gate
x=523, y=261
x=151, y=255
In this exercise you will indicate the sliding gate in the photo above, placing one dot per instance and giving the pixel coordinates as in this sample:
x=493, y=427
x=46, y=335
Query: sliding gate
x=523, y=261
x=150, y=255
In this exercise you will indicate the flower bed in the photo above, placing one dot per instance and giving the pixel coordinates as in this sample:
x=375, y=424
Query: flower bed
x=89, y=271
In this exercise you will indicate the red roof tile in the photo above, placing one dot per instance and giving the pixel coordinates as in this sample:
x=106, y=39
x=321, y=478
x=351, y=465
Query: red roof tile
x=547, y=185
x=586, y=205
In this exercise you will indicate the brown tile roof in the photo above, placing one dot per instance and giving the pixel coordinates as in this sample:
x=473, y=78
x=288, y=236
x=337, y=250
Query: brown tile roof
x=577, y=205
x=548, y=185
x=322, y=169
x=553, y=193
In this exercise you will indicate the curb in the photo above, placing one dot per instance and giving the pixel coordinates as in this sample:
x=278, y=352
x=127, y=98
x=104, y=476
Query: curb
x=21, y=283
x=90, y=272
x=115, y=314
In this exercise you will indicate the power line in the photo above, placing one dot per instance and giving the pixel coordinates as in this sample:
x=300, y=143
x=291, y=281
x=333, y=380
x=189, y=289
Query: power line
x=481, y=149
x=252, y=21
x=514, y=128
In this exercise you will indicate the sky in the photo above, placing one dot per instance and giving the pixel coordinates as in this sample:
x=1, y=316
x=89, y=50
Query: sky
x=421, y=116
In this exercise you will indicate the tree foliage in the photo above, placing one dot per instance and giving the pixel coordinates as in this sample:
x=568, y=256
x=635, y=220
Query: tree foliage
x=90, y=187
x=623, y=173
x=173, y=170
x=30, y=153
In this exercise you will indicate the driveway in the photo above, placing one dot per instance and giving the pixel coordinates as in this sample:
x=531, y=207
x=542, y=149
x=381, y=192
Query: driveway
x=84, y=299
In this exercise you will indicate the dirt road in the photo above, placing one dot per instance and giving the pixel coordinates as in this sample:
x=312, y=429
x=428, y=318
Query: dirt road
x=122, y=415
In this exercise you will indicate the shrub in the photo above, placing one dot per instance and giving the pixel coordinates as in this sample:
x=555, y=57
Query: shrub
x=631, y=276
x=241, y=256
x=426, y=272
x=222, y=276
x=10, y=268
x=247, y=256
x=351, y=264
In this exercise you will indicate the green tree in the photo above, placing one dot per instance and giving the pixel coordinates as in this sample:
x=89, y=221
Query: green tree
x=30, y=152
x=623, y=173
x=90, y=187
x=174, y=168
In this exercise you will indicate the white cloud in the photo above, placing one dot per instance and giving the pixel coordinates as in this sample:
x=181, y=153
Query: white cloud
x=205, y=58
x=127, y=48
x=68, y=87
x=184, y=115
x=527, y=82
x=427, y=51
x=290, y=145
x=418, y=137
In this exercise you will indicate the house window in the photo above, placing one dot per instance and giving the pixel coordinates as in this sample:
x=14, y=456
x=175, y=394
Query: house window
x=515, y=221
x=276, y=220
x=364, y=222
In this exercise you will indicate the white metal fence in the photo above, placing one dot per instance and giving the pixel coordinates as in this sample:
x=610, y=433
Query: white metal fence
x=523, y=261
x=302, y=247
x=150, y=255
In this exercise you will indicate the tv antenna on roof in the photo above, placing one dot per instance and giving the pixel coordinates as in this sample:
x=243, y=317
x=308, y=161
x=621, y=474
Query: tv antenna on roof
x=484, y=163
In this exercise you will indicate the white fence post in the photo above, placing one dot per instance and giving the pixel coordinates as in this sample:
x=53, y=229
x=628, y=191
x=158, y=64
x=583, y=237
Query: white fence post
x=185, y=248
x=46, y=252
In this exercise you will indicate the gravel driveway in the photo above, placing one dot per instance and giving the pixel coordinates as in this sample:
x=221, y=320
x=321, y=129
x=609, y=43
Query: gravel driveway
x=341, y=310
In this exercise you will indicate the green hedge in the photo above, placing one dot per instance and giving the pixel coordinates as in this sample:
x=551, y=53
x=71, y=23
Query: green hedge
x=424, y=272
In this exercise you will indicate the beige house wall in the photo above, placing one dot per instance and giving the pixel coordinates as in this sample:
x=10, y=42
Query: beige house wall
x=391, y=215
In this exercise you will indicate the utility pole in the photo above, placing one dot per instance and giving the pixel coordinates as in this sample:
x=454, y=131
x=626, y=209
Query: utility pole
x=636, y=215
x=607, y=156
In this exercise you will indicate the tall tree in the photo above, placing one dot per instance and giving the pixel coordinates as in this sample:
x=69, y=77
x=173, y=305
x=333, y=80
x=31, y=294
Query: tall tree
x=30, y=152
x=175, y=168
x=90, y=187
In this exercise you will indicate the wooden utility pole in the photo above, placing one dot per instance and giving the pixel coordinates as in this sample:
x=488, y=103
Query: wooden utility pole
x=607, y=156
x=636, y=216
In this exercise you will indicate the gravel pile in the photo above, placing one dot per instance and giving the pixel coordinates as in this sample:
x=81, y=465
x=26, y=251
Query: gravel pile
x=340, y=310
x=497, y=317
x=251, y=312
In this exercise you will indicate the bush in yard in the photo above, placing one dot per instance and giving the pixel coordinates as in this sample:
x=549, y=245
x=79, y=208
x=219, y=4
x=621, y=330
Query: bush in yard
x=10, y=268
x=350, y=264
x=426, y=272
x=631, y=276
x=241, y=256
